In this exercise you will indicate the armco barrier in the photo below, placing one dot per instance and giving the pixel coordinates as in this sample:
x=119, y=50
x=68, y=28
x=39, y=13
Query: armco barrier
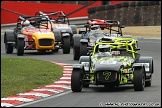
x=78, y=21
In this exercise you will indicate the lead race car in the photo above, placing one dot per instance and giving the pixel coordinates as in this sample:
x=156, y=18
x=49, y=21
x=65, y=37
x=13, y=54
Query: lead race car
x=30, y=34
x=61, y=26
x=113, y=64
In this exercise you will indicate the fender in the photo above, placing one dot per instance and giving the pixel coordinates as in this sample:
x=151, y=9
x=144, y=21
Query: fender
x=137, y=65
x=57, y=35
x=9, y=36
x=147, y=60
x=74, y=29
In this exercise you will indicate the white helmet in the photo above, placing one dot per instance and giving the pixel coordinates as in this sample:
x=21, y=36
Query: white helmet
x=25, y=23
x=104, y=48
x=95, y=27
x=45, y=16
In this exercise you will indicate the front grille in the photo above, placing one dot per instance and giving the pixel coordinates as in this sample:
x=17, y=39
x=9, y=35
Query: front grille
x=45, y=42
x=106, y=76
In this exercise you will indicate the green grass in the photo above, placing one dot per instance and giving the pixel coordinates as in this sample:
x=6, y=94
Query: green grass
x=21, y=74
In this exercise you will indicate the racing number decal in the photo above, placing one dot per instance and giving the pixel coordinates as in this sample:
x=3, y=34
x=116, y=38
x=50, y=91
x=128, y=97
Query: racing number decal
x=107, y=75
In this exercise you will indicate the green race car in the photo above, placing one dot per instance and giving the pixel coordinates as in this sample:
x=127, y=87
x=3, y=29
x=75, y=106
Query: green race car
x=112, y=64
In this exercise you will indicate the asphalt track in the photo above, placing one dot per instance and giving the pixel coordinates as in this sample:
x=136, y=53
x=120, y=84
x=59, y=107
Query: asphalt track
x=96, y=96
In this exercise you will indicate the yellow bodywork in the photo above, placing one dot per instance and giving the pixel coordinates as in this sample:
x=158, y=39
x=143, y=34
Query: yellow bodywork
x=46, y=35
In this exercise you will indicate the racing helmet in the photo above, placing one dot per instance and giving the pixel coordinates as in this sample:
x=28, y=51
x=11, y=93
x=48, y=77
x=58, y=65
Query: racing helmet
x=104, y=48
x=45, y=15
x=25, y=23
x=95, y=27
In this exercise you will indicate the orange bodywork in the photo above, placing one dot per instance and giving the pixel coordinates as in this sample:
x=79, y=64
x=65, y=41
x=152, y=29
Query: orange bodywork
x=35, y=35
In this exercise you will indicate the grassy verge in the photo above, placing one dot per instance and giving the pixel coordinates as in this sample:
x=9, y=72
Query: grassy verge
x=20, y=74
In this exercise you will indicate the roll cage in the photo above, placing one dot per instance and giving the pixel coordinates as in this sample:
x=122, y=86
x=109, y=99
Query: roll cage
x=36, y=21
x=57, y=17
x=105, y=24
x=125, y=45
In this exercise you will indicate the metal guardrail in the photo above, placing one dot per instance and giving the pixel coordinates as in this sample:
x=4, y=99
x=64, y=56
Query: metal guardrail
x=78, y=21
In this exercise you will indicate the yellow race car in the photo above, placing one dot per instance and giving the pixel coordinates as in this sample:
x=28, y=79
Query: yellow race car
x=30, y=34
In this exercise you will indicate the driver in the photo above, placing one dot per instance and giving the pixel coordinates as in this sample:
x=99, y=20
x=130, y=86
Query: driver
x=95, y=27
x=26, y=24
x=104, y=51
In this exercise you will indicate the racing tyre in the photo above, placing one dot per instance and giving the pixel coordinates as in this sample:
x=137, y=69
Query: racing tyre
x=76, y=53
x=66, y=45
x=20, y=47
x=83, y=49
x=139, y=79
x=8, y=48
x=76, y=80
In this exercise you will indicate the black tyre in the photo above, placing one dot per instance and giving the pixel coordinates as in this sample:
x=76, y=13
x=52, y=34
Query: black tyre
x=76, y=80
x=20, y=47
x=8, y=48
x=76, y=53
x=139, y=79
x=66, y=45
x=76, y=46
x=74, y=29
x=83, y=49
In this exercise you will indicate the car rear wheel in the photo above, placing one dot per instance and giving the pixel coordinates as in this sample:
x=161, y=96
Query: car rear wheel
x=20, y=47
x=76, y=53
x=76, y=80
x=139, y=79
x=8, y=48
x=83, y=49
x=66, y=45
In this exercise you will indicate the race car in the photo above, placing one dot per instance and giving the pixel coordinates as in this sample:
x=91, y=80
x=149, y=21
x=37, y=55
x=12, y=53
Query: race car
x=30, y=34
x=94, y=29
x=113, y=65
x=60, y=25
